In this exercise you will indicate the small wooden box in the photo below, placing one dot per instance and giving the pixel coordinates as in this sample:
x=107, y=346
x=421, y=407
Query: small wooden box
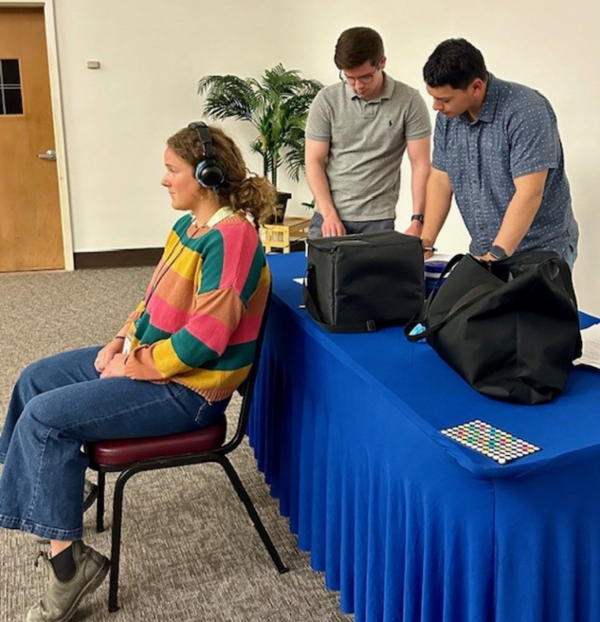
x=281, y=236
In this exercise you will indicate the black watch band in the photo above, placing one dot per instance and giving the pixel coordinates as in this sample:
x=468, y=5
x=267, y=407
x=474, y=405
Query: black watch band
x=497, y=252
x=418, y=217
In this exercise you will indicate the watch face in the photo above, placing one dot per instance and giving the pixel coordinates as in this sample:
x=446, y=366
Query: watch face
x=497, y=252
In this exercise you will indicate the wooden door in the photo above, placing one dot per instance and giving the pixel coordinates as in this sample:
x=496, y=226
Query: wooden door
x=30, y=221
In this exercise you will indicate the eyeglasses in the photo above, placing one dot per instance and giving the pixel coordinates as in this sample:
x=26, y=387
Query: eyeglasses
x=366, y=79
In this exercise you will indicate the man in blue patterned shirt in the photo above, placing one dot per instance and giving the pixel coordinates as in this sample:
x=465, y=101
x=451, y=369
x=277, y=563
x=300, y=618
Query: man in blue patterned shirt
x=498, y=151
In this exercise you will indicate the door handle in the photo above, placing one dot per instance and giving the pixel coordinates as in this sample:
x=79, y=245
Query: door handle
x=49, y=155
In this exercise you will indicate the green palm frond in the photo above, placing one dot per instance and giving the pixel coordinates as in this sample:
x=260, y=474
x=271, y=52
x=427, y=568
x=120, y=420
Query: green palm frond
x=281, y=80
x=295, y=154
x=227, y=97
x=277, y=106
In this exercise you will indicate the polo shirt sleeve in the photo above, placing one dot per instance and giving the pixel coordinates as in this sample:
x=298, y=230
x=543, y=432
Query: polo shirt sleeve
x=438, y=160
x=534, y=139
x=318, y=124
x=418, y=124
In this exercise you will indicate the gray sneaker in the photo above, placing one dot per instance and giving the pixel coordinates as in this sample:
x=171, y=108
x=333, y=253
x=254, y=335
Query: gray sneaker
x=62, y=597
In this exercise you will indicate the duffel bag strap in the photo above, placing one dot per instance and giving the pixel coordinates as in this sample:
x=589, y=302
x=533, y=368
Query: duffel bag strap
x=469, y=299
x=421, y=316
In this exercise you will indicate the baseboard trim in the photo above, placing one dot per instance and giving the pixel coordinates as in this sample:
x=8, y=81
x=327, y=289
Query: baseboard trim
x=118, y=259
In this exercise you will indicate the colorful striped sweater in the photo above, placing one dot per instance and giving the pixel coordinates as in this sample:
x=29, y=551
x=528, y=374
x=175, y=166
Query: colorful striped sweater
x=199, y=321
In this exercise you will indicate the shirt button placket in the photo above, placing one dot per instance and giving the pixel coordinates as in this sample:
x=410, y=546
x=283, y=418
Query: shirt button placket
x=478, y=209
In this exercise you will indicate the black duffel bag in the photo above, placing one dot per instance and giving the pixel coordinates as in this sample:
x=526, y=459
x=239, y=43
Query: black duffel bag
x=361, y=282
x=510, y=328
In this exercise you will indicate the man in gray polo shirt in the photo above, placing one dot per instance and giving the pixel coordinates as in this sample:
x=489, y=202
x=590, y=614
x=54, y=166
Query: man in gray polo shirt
x=498, y=151
x=356, y=134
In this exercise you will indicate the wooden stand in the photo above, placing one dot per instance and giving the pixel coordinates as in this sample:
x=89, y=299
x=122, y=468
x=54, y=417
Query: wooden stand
x=281, y=236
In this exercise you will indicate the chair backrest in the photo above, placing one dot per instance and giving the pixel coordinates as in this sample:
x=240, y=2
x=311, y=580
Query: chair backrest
x=246, y=389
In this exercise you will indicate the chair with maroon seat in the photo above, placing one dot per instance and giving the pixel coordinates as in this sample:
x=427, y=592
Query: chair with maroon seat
x=132, y=456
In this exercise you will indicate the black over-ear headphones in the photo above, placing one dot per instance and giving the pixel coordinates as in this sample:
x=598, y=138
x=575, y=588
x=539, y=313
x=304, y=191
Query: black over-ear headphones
x=209, y=172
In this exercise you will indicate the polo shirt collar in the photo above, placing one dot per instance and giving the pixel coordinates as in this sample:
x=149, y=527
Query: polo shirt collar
x=386, y=93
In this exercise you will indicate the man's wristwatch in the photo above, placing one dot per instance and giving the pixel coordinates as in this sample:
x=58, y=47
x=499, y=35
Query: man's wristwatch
x=497, y=252
x=418, y=217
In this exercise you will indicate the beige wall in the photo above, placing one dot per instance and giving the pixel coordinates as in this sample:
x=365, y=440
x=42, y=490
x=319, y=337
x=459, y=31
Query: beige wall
x=153, y=53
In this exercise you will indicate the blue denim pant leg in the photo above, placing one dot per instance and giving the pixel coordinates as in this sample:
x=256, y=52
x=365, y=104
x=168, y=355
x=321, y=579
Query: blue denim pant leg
x=45, y=375
x=59, y=404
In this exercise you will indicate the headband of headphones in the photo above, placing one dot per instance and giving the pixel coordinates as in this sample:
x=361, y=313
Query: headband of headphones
x=209, y=172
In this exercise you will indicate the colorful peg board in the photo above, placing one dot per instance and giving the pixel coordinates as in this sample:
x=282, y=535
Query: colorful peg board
x=490, y=441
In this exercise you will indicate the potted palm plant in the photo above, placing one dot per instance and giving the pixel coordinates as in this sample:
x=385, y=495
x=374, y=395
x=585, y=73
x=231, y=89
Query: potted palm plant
x=277, y=106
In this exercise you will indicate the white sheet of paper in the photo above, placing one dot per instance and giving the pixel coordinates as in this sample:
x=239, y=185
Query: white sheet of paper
x=591, y=347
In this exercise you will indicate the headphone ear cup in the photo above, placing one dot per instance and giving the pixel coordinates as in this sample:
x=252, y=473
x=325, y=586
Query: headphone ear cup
x=209, y=174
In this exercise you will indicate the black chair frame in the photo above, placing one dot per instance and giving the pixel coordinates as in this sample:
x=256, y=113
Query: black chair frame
x=218, y=455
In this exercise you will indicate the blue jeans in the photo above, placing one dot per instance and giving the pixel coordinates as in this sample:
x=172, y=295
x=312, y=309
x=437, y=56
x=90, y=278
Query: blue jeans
x=59, y=404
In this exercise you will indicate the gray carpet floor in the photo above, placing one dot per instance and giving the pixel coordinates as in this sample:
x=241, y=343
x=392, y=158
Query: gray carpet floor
x=189, y=551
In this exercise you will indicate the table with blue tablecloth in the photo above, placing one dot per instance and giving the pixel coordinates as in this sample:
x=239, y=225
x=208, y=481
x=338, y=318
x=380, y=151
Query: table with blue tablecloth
x=408, y=525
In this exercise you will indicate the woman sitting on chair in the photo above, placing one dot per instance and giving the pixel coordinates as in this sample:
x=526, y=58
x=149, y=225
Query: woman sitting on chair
x=171, y=368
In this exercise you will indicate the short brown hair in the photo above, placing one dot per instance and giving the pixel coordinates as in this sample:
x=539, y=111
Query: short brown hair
x=240, y=191
x=356, y=46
